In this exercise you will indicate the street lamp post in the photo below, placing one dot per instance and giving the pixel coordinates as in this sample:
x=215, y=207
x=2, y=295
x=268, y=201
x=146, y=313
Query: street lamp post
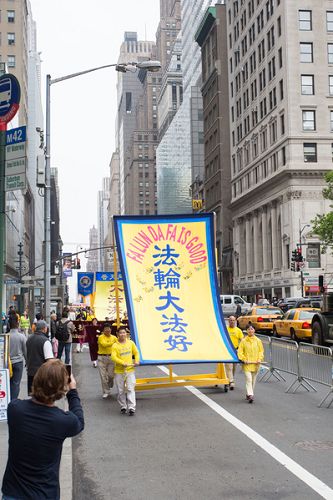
x=122, y=67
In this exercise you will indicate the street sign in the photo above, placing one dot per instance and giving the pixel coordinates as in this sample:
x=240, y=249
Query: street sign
x=15, y=182
x=14, y=151
x=16, y=135
x=15, y=166
x=10, y=94
x=10, y=281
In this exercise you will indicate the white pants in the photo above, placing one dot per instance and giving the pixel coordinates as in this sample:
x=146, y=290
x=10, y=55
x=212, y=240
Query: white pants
x=230, y=369
x=125, y=384
x=250, y=382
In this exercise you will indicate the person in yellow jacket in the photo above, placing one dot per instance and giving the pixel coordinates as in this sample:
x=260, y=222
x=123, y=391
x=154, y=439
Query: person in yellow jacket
x=122, y=355
x=251, y=353
x=105, y=364
x=25, y=324
x=236, y=335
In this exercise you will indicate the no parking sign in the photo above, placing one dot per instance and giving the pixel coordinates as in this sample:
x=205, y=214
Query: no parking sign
x=4, y=393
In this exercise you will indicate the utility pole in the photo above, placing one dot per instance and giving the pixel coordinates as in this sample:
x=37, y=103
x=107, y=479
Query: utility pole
x=20, y=254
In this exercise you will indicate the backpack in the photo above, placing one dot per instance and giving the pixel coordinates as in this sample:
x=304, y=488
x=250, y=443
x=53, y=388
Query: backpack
x=62, y=333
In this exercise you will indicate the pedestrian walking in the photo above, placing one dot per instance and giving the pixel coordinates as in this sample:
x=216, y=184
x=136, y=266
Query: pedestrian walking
x=123, y=352
x=251, y=353
x=39, y=349
x=236, y=335
x=92, y=332
x=37, y=430
x=65, y=329
x=25, y=323
x=18, y=354
x=105, y=364
x=53, y=331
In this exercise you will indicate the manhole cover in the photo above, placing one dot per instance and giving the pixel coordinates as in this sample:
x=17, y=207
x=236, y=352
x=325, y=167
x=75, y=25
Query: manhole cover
x=315, y=445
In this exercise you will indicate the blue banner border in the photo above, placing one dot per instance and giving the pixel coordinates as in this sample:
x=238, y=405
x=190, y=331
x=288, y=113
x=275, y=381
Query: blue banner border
x=208, y=218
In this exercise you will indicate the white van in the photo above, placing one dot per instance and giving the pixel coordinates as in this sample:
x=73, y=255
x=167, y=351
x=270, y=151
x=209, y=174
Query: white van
x=229, y=304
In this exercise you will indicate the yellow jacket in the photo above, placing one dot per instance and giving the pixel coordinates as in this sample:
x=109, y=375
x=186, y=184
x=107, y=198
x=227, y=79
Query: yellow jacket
x=236, y=335
x=105, y=343
x=122, y=355
x=251, y=349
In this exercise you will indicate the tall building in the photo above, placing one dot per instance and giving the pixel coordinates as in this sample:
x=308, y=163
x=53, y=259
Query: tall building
x=129, y=90
x=19, y=51
x=212, y=38
x=92, y=261
x=280, y=88
x=102, y=207
x=180, y=154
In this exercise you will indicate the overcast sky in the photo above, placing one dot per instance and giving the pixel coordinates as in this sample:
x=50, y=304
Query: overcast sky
x=74, y=35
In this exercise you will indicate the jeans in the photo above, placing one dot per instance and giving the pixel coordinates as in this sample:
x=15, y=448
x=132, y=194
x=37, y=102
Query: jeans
x=67, y=346
x=16, y=380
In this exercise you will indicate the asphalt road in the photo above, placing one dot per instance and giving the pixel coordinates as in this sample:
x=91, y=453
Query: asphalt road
x=178, y=447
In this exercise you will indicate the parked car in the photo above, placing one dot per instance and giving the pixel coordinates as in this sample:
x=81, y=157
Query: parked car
x=229, y=304
x=295, y=302
x=296, y=323
x=261, y=317
x=263, y=302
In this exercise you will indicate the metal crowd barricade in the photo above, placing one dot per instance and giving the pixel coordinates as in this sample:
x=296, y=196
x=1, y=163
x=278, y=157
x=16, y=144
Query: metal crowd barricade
x=285, y=359
x=270, y=371
x=315, y=364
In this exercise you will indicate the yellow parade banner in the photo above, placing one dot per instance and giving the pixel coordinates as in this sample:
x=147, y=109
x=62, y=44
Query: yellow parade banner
x=170, y=280
x=105, y=297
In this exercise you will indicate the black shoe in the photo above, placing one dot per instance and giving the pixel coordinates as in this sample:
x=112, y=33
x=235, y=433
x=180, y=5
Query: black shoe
x=131, y=413
x=231, y=387
x=251, y=399
x=123, y=411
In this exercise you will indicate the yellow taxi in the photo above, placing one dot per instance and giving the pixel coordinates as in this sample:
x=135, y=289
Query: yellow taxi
x=296, y=323
x=261, y=318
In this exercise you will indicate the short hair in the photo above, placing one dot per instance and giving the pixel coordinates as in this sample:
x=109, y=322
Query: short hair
x=106, y=325
x=64, y=313
x=13, y=321
x=122, y=328
x=40, y=325
x=39, y=316
x=50, y=382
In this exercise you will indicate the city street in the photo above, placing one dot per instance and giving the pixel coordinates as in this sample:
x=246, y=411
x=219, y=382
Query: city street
x=180, y=446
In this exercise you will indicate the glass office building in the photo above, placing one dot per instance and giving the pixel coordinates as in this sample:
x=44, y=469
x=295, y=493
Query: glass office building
x=180, y=154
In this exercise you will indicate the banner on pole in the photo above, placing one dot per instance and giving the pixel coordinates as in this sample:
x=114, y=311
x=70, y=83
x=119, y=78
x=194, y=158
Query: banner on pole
x=85, y=283
x=105, y=297
x=169, y=272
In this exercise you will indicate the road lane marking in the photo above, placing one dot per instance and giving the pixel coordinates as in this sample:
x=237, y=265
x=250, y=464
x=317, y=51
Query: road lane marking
x=312, y=481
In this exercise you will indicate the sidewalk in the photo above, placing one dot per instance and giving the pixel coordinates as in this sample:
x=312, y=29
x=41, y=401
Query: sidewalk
x=66, y=484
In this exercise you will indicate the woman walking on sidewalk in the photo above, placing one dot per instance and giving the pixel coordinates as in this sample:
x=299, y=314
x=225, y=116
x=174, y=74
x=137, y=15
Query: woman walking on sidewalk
x=251, y=353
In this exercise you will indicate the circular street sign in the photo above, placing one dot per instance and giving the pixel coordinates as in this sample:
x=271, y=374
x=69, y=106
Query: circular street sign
x=10, y=93
x=2, y=394
x=85, y=281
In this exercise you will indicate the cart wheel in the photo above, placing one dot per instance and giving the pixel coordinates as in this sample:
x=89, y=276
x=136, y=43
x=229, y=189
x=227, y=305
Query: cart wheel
x=226, y=388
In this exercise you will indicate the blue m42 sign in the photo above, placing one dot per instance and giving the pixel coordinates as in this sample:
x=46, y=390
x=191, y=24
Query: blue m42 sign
x=16, y=135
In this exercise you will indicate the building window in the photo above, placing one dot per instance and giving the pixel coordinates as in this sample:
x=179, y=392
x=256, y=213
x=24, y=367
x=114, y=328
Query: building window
x=309, y=120
x=310, y=152
x=330, y=53
x=11, y=38
x=305, y=20
x=331, y=121
x=11, y=61
x=329, y=20
x=11, y=16
x=128, y=102
x=330, y=84
x=307, y=84
x=306, y=52
x=332, y=152
x=282, y=127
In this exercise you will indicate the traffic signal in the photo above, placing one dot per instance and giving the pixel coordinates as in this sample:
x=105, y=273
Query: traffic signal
x=299, y=254
x=293, y=266
x=294, y=255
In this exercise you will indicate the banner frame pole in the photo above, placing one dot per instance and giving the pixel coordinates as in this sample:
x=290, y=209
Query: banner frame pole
x=115, y=270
